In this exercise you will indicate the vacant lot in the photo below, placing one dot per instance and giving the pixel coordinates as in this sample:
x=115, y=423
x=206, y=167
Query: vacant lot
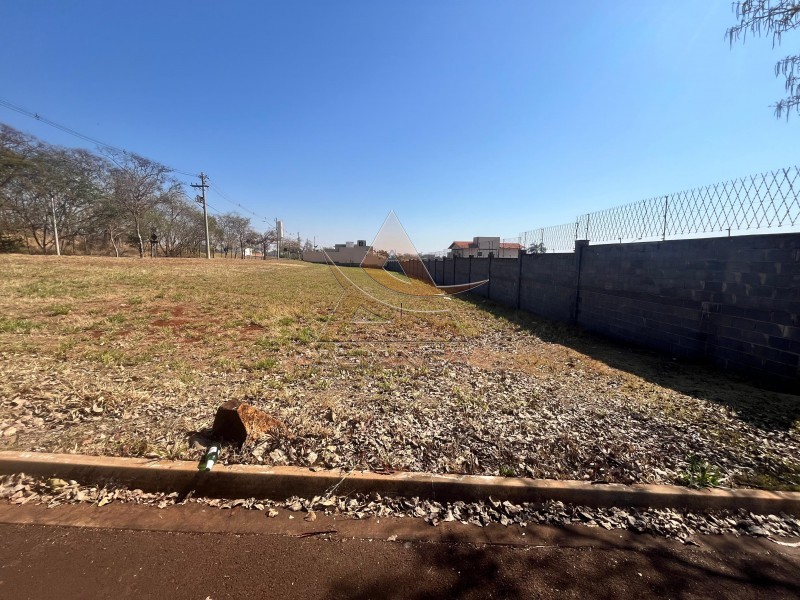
x=131, y=357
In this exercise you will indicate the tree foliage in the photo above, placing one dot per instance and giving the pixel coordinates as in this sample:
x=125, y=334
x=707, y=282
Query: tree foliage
x=138, y=185
x=105, y=203
x=265, y=240
x=772, y=18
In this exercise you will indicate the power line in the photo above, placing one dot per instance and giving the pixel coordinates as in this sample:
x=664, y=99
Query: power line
x=215, y=188
x=227, y=199
x=213, y=208
x=70, y=131
x=87, y=138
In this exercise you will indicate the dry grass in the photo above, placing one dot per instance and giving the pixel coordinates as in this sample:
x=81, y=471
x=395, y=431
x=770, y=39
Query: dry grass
x=130, y=357
x=184, y=313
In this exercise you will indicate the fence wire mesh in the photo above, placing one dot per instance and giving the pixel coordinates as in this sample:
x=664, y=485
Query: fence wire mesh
x=556, y=238
x=757, y=202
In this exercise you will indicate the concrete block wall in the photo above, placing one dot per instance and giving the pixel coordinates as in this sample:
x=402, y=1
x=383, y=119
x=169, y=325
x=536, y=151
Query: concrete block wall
x=503, y=286
x=735, y=301
x=479, y=271
x=731, y=301
x=549, y=285
x=644, y=293
x=346, y=257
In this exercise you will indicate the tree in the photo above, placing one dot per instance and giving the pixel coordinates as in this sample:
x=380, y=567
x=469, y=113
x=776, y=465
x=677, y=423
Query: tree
x=216, y=234
x=772, y=17
x=46, y=188
x=536, y=248
x=244, y=234
x=70, y=181
x=265, y=240
x=235, y=232
x=104, y=200
x=17, y=154
x=16, y=148
x=30, y=195
x=290, y=248
x=195, y=230
x=137, y=185
x=111, y=219
x=178, y=221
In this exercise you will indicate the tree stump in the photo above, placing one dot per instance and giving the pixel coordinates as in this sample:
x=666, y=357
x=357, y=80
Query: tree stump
x=239, y=422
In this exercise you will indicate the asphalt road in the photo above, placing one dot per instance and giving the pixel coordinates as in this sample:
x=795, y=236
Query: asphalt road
x=189, y=552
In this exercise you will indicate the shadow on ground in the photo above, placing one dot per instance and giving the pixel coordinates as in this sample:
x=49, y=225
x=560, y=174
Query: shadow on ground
x=766, y=409
x=452, y=569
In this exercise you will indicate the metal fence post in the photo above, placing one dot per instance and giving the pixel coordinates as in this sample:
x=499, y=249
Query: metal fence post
x=577, y=227
x=666, y=208
x=519, y=279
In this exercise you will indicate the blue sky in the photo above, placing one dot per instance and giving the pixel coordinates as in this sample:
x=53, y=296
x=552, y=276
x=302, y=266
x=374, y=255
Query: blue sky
x=466, y=118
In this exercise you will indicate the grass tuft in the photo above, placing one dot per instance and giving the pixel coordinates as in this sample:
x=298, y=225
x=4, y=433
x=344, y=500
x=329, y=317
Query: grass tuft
x=262, y=364
x=15, y=325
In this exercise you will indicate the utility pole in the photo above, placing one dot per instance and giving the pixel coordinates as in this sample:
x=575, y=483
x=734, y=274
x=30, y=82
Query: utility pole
x=55, y=225
x=202, y=200
x=279, y=236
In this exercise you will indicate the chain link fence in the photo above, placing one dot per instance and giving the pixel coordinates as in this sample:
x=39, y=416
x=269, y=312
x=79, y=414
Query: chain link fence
x=765, y=201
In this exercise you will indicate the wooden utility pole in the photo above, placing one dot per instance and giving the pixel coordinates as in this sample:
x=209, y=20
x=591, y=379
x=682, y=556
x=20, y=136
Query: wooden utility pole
x=278, y=236
x=202, y=200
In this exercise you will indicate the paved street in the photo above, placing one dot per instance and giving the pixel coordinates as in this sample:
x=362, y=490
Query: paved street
x=192, y=552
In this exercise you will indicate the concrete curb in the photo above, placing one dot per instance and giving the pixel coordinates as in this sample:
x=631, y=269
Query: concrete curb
x=279, y=483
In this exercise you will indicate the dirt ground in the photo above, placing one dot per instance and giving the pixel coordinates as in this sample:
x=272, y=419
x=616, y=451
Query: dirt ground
x=132, y=357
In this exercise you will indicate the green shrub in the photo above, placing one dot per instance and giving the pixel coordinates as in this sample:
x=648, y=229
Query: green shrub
x=700, y=474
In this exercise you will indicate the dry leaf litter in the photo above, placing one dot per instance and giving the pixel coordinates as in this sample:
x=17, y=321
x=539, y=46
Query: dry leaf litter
x=681, y=525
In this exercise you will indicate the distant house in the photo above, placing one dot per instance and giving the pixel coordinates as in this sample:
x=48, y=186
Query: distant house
x=347, y=254
x=483, y=247
x=252, y=253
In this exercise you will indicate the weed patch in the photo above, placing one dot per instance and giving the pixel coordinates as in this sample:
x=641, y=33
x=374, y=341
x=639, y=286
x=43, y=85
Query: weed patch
x=700, y=474
x=15, y=325
x=262, y=364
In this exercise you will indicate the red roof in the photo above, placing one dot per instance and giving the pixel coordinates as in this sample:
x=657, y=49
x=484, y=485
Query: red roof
x=511, y=246
x=460, y=245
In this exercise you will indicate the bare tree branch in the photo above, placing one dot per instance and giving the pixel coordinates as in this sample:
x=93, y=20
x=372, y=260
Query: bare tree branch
x=775, y=18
